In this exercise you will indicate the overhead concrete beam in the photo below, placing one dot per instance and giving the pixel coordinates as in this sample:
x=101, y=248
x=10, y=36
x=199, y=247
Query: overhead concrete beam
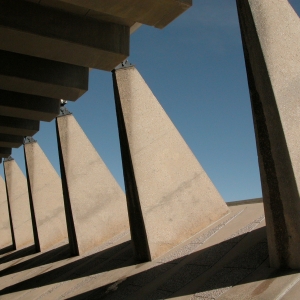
x=18, y=126
x=271, y=34
x=37, y=76
x=46, y=197
x=17, y=195
x=61, y=36
x=11, y=141
x=95, y=204
x=5, y=152
x=154, y=13
x=5, y=229
x=169, y=196
x=27, y=106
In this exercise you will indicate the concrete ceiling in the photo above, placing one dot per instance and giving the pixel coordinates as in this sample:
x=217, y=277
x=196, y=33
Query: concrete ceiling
x=48, y=46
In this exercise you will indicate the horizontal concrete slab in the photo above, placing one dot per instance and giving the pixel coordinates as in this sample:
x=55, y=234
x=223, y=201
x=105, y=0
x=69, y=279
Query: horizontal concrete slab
x=5, y=152
x=12, y=141
x=154, y=13
x=60, y=36
x=18, y=126
x=28, y=106
x=36, y=76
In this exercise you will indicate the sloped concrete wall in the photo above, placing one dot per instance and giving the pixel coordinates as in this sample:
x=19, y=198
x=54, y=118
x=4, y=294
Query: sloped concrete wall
x=47, y=197
x=174, y=195
x=95, y=203
x=17, y=192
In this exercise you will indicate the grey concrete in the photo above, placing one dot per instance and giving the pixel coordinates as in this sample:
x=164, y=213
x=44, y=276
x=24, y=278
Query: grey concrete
x=46, y=197
x=37, y=76
x=271, y=33
x=28, y=106
x=17, y=193
x=60, y=36
x=169, y=195
x=18, y=126
x=5, y=152
x=154, y=13
x=5, y=229
x=95, y=204
x=13, y=141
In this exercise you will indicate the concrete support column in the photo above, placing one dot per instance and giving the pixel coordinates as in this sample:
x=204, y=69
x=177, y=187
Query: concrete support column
x=5, y=228
x=46, y=198
x=169, y=196
x=95, y=204
x=17, y=196
x=271, y=33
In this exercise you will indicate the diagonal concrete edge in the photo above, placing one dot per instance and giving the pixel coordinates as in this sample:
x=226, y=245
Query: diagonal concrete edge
x=270, y=32
x=18, y=200
x=95, y=203
x=173, y=196
x=5, y=229
x=45, y=193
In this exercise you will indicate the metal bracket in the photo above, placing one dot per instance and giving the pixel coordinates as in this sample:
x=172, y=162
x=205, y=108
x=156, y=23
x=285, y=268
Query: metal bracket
x=64, y=112
x=123, y=65
x=8, y=159
x=29, y=140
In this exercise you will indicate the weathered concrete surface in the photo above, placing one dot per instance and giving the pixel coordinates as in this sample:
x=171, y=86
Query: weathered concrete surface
x=5, y=229
x=37, y=76
x=27, y=106
x=169, y=195
x=17, y=193
x=61, y=36
x=7, y=140
x=95, y=204
x=271, y=33
x=45, y=194
x=18, y=126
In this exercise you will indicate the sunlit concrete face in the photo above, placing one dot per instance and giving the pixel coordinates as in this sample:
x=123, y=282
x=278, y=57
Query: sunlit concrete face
x=95, y=203
x=5, y=230
x=47, y=198
x=271, y=34
x=17, y=193
x=168, y=192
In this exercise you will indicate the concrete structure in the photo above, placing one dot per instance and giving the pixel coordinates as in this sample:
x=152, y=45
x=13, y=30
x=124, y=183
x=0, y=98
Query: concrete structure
x=95, y=204
x=5, y=229
x=169, y=195
x=13, y=141
x=46, y=197
x=17, y=194
x=271, y=34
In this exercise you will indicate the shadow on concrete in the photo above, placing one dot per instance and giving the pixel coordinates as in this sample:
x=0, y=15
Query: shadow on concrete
x=118, y=256
x=18, y=254
x=6, y=249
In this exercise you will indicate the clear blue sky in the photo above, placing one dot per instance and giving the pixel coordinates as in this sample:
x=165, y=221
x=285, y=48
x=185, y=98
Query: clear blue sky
x=195, y=67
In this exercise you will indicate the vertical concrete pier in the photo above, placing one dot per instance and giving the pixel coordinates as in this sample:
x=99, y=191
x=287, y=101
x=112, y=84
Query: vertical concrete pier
x=46, y=197
x=17, y=194
x=271, y=38
x=5, y=229
x=170, y=197
x=95, y=203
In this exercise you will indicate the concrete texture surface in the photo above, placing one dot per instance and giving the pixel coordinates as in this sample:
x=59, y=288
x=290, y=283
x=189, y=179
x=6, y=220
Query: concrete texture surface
x=5, y=229
x=42, y=77
x=45, y=194
x=227, y=260
x=95, y=203
x=29, y=107
x=271, y=32
x=168, y=192
x=17, y=193
x=61, y=36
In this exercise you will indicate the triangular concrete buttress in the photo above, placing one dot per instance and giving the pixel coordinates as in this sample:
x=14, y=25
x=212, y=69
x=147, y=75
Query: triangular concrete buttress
x=170, y=197
x=271, y=38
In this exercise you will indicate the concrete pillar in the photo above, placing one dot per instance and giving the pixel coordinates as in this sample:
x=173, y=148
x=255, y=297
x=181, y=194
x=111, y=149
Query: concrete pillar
x=5, y=229
x=46, y=197
x=17, y=194
x=169, y=196
x=95, y=204
x=271, y=33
